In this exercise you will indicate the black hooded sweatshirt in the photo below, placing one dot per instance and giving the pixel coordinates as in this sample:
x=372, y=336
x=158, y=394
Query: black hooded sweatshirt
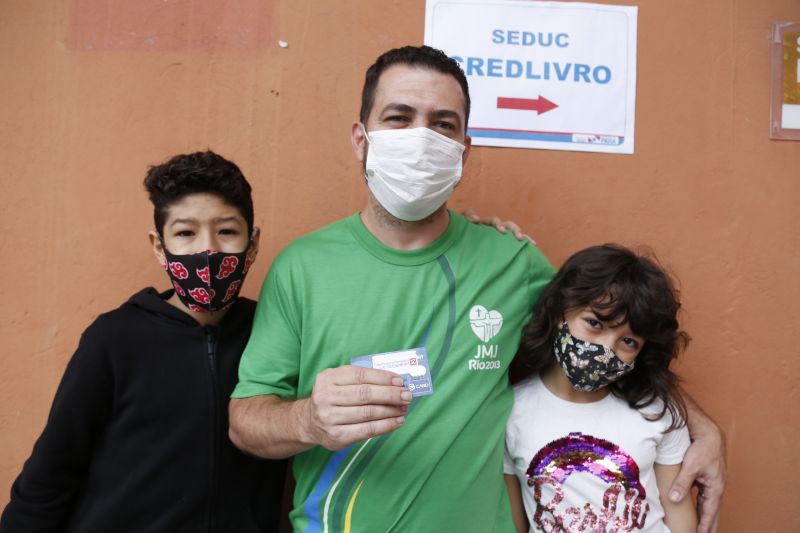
x=137, y=437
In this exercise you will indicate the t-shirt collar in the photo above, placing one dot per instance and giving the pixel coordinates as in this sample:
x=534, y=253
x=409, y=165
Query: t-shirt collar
x=420, y=256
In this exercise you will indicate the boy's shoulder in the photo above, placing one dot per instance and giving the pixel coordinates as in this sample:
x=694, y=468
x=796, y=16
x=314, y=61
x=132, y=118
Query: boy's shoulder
x=148, y=308
x=121, y=315
x=139, y=316
x=116, y=333
x=146, y=324
x=139, y=303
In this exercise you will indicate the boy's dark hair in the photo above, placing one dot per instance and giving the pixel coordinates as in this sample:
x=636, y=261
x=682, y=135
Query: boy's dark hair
x=619, y=285
x=200, y=172
x=413, y=56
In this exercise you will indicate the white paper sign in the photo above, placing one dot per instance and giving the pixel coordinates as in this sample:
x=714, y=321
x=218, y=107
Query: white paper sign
x=553, y=75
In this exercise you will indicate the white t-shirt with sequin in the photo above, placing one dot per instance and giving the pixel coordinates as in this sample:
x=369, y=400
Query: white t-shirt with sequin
x=588, y=466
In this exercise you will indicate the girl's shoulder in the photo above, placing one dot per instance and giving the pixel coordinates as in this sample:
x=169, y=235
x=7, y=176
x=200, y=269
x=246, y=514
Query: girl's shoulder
x=671, y=443
x=648, y=425
x=528, y=387
x=656, y=413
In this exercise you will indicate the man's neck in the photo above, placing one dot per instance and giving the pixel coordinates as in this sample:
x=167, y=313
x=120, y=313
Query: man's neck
x=402, y=234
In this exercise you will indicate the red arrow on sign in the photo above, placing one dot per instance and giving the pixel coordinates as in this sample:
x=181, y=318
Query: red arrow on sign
x=540, y=105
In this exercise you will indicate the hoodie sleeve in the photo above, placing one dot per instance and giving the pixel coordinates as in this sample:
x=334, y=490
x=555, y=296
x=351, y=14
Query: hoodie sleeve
x=43, y=495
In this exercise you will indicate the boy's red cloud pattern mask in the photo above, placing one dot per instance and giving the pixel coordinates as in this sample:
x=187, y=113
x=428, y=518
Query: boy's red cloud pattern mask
x=228, y=265
x=233, y=289
x=178, y=270
x=201, y=295
x=203, y=274
x=178, y=289
x=195, y=285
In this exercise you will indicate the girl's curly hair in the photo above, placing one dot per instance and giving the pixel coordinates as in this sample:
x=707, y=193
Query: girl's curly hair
x=619, y=285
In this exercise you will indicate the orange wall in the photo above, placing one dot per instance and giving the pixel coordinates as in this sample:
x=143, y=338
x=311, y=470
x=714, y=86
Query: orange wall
x=95, y=90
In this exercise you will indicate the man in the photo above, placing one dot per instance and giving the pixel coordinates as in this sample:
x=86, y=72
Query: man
x=405, y=273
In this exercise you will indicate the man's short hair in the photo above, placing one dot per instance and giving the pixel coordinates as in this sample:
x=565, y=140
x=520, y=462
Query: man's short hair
x=199, y=172
x=414, y=56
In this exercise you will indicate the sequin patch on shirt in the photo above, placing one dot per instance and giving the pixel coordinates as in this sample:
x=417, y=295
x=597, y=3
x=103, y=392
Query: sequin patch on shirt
x=559, y=459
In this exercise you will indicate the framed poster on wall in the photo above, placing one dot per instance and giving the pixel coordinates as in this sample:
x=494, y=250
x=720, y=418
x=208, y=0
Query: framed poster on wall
x=785, y=107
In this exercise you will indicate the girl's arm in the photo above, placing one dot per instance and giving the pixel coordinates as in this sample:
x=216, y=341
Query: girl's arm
x=680, y=517
x=517, y=508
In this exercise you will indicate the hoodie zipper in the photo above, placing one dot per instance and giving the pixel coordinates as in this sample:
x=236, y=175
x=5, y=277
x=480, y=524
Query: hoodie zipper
x=211, y=352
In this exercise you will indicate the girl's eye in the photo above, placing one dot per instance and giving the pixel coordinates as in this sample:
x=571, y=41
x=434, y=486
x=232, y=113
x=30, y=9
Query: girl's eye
x=184, y=233
x=228, y=232
x=630, y=342
x=594, y=323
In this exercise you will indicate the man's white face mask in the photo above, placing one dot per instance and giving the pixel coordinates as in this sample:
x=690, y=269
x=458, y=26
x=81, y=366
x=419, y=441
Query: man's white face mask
x=412, y=171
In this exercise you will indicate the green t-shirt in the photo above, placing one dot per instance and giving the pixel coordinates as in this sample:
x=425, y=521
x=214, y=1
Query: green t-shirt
x=339, y=293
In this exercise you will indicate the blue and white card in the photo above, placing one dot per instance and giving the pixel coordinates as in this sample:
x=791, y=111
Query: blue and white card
x=411, y=364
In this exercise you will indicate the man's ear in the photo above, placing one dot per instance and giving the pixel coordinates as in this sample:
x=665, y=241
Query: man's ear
x=467, y=147
x=158, y=248
x=358, y=140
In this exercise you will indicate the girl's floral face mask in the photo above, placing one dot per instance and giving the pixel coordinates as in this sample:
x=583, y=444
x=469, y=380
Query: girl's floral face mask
x=588, y=366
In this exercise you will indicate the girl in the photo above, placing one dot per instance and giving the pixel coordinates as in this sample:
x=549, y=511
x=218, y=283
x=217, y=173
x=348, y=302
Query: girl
x=597, y=431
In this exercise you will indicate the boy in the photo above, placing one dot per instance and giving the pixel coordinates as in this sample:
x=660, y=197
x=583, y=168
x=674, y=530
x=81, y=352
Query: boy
x=137, y=437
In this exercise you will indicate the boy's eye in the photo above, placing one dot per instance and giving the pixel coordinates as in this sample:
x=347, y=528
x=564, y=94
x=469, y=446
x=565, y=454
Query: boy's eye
x=184, y=233
x=446, y=126
x=228, y=231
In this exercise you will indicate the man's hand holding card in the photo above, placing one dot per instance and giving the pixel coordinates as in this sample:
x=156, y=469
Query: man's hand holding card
x=352, y=403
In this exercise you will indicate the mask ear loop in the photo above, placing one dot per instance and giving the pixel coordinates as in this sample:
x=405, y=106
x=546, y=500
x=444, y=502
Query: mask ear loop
x=364, y=130
x=250, y=241
x=165, y=251
x=369, y=143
